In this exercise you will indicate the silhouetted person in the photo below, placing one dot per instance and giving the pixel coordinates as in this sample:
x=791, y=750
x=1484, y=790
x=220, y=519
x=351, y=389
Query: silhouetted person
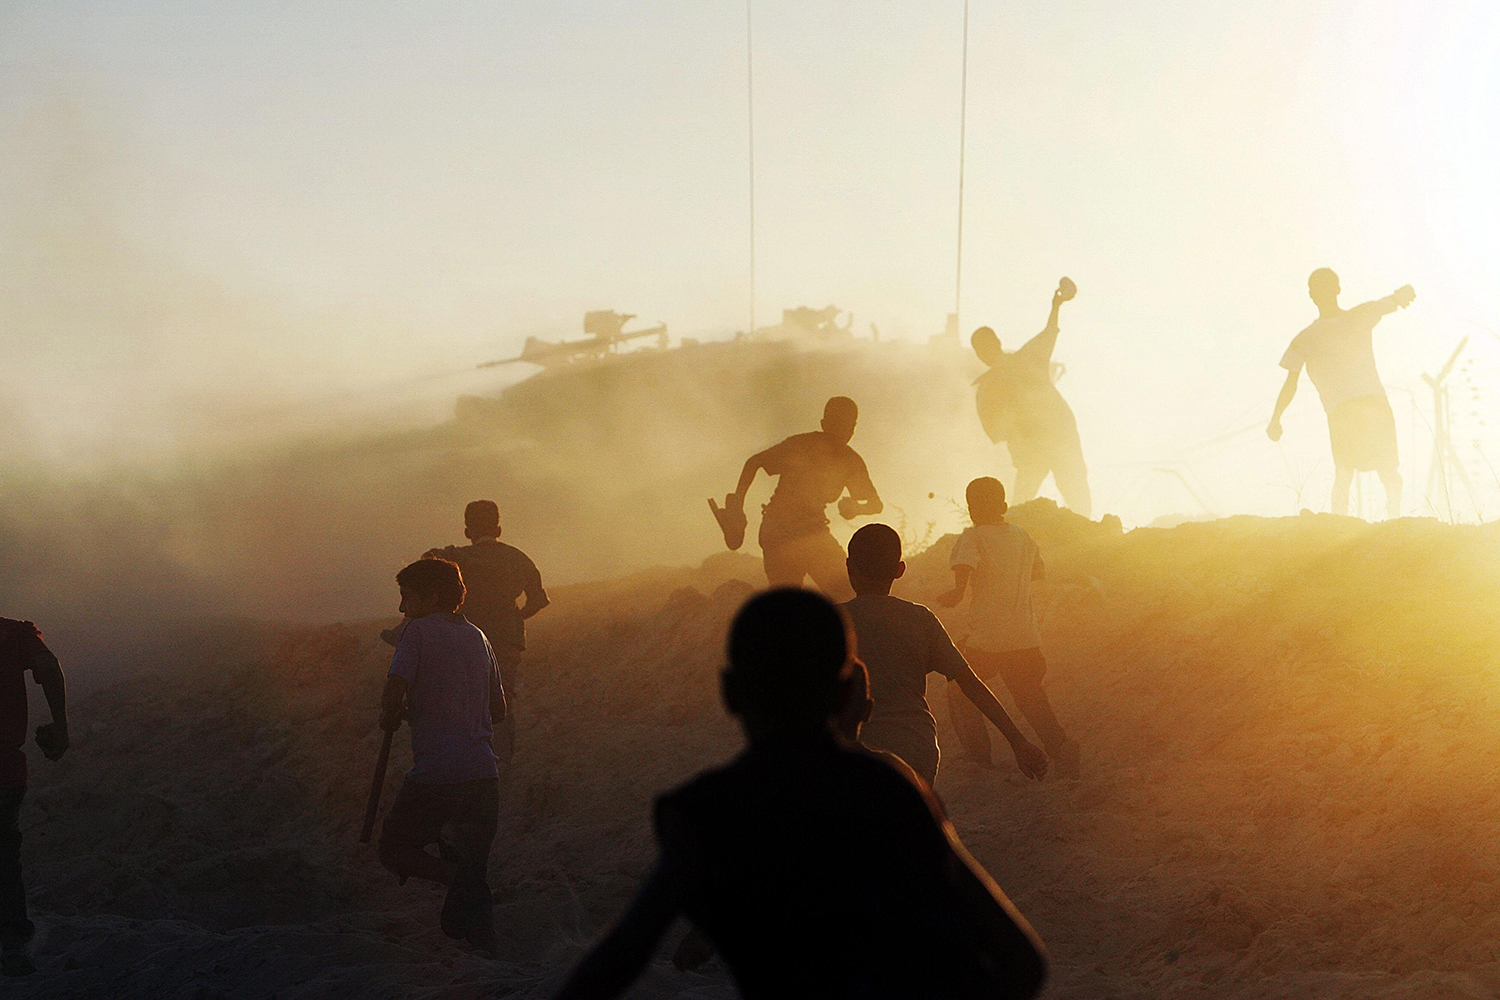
x=900, y=644
x=695, y=949
x=444, y=679
x=1000, y=560
x=816, y=869
x=1019, y=404
x=814, y=469
x=496, y=575
x=22, y=649
x=1339, y=353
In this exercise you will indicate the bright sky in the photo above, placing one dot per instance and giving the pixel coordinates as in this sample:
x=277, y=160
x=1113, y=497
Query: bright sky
x=325, y=196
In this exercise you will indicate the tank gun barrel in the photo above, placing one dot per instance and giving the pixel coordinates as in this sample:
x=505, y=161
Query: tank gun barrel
x=540, y=352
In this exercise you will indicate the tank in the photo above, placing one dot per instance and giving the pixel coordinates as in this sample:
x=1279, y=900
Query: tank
x=655, y=430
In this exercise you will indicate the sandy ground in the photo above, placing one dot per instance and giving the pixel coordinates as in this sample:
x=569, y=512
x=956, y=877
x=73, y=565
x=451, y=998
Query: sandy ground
x=1289, y=783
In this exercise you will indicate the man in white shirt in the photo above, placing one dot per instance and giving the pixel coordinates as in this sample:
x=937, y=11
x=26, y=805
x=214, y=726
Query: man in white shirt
x=1339, y=354
x=1000, y=560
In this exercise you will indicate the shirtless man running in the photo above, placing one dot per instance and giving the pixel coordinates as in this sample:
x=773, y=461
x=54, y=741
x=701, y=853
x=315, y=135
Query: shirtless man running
x=814, y=469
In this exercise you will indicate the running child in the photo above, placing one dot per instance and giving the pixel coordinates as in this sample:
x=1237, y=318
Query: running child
x=814, y=868
x=1001, y=560
x=444, y=679
x=496, y=575
x=901, y=643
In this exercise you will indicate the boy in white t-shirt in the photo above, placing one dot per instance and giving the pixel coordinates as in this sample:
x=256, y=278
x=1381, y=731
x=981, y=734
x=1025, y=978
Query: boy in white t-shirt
x=1001, y=560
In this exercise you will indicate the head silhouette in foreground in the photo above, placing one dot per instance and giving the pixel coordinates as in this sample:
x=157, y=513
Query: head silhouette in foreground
x=814, y=868
x=497, y=576
x=1019, y=404
x=444, y=680
x=814, y=470
x=900, y=644
x=22, y=650
x=1338, y=351
x=848, y=721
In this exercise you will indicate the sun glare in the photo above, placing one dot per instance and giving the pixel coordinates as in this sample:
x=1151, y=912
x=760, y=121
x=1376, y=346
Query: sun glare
x=1448, y=116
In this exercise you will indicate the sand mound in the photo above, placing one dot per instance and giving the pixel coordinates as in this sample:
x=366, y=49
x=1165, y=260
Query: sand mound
x=1287, y=786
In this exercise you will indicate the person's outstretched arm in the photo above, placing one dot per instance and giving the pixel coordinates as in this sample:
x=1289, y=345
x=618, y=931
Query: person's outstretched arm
x=862, y=498
x=1030, y=758
x=48, y=673
x=1039, y=348
x=961, y=574
x=617, y=961
x=1399, y=299
x=752, y=468
x=1283, y=400
x=1057, y=301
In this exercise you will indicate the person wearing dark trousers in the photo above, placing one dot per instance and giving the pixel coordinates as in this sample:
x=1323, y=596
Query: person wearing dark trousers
x=1000, y=561
x=445, y=681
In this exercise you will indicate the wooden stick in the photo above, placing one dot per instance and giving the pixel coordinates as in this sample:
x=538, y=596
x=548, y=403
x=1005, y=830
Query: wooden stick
x=377, y=784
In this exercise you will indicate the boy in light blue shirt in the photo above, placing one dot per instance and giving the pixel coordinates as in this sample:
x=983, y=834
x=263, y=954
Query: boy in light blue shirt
x=444, y=679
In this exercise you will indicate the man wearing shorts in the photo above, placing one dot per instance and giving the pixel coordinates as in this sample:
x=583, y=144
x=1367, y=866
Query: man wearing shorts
x=814, y=469
x=1339, y=354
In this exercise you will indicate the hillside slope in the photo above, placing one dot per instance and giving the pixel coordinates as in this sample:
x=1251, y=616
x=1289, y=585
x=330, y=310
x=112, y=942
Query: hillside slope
x=1288, y=783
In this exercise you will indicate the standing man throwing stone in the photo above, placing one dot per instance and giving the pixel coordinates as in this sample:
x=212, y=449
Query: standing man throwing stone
x=1339, y=354
x=814, y=469
x=1019, y=404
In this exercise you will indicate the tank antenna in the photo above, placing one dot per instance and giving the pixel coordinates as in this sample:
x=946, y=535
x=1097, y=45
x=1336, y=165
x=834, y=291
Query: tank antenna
x=963, y=119
x=750, y=119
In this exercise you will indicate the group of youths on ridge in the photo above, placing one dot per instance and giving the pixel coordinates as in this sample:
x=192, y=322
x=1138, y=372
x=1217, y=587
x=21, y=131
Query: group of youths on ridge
x=818, y=861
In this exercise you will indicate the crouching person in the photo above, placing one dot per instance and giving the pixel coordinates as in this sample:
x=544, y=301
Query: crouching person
x=445, y=681
x=813, y=867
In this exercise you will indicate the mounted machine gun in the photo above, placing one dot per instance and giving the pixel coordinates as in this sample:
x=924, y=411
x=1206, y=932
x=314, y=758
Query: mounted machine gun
x=607, y=328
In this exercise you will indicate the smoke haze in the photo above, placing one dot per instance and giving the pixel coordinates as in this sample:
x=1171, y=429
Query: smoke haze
x=249, y=257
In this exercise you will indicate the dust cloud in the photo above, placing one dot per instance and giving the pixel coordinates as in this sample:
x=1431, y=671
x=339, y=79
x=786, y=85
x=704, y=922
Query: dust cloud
x=206, y=485
x=174, y=447
x=1286, y=784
